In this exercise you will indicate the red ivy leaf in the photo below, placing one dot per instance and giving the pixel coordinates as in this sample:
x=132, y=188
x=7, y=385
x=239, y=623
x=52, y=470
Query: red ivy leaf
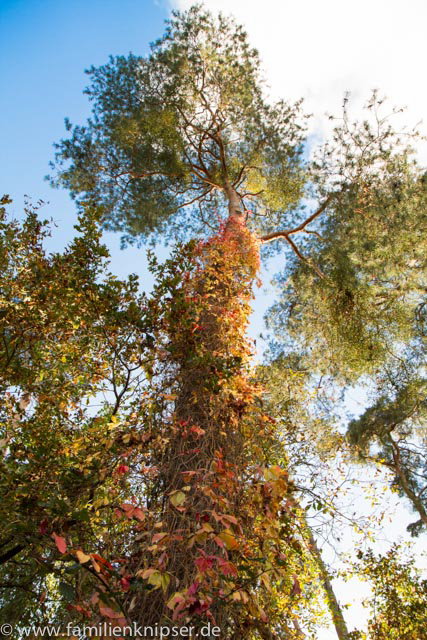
x=125, y=584
x=204, y=563
x=109, y=613
x=61, y=543
x=193, y=588
x=227, y=568
x=122, y=468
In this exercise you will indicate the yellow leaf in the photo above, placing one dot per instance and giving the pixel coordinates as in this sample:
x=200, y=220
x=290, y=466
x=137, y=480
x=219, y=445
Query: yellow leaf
x=229, y=539
x=174, y=600
x=165, y=581
x=266, y=581
x=82, y=557
x=177, y=498
x=156, y=578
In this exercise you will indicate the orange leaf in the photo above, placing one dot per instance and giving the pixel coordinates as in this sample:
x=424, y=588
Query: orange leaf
x=95, y=565
x=159, y=536
x=109, y=613
x=82, y=557
x=229, y=540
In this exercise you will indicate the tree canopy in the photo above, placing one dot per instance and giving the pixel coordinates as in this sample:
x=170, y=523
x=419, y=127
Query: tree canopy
x=184, y=126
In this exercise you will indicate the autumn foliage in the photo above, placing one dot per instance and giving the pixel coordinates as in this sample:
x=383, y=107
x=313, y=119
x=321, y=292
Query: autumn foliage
x=168, y=506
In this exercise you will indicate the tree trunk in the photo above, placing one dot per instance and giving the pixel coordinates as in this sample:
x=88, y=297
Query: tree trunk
x=211, y=504
x=235, y=207
x=333, y=605
x=399, y=471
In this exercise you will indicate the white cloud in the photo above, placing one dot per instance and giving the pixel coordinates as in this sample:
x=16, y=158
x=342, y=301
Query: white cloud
x=319, y=49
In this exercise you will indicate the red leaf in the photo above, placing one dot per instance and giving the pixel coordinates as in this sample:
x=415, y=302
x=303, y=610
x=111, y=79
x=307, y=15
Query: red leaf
x=219, y=542
x=125, y=584
x=296, y=588
x=204, y=563
x=158, y=536
x=138, y=514
x=109, y=613
x=122, y=468
x=227, y=568
x=61, y=543
x=193, y=588
x=198, y=607
x=101, y=560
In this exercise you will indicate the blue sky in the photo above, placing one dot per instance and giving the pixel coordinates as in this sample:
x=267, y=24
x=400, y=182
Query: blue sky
x=45, y=46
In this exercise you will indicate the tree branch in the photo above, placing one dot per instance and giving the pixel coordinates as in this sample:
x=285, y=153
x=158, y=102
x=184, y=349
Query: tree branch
x=303, y=258
x=287, y=232
x=416, y=501
x=11, y=553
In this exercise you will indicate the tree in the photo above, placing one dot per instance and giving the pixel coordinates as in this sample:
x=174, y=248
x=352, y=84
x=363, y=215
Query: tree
x=395, y=424
x=398, y=603
x=367, y=312
x=72, y=336
x=187, y=125
x=185, y=142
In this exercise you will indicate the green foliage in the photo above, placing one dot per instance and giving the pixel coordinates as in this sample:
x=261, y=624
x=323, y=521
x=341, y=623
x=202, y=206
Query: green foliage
x=372, y=257
x=399, y=599
x=180, y=127
x=353, y=311
x=392, y=434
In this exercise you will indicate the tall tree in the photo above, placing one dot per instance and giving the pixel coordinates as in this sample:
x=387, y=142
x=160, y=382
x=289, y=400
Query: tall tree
x=185, y=142
x=363, y=322
x=189, y=124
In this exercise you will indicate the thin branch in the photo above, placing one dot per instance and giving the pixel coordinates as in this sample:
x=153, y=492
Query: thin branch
x=303, y=258
x=287, y=232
